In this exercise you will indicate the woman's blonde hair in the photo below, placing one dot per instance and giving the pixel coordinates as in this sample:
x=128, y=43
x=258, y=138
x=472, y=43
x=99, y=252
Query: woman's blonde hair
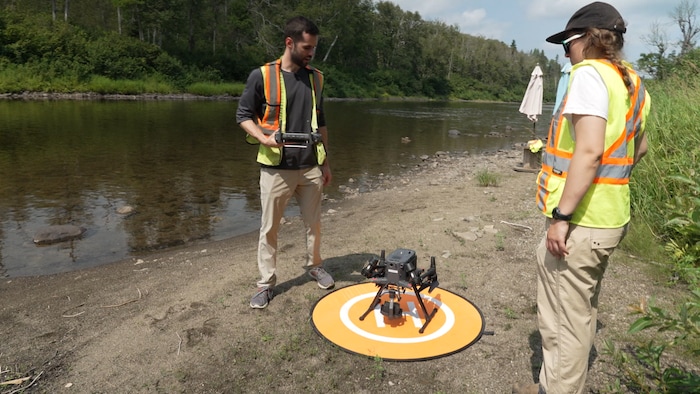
x=608, y=45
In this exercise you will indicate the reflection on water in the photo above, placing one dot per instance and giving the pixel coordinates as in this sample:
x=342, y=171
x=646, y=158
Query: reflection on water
x=185, y=170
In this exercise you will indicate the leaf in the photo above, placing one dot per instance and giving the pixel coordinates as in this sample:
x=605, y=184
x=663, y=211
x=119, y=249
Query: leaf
x=641, y=324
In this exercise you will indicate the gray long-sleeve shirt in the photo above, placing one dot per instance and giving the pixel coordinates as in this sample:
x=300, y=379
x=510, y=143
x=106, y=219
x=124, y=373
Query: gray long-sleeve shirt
x=251, y=106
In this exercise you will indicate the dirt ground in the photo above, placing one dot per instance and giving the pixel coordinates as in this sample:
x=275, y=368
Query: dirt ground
x=179, y=321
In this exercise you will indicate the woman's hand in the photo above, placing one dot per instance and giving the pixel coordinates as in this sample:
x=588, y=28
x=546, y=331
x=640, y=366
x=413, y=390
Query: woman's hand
x=556, y=238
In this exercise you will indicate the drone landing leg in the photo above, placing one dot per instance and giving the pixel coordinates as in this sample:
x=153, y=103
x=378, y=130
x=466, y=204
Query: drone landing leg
x=374, y=303
x=428, y=316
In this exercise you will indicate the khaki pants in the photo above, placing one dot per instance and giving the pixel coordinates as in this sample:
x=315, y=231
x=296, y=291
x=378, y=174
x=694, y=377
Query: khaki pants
x=567, y=304
x=276, y=188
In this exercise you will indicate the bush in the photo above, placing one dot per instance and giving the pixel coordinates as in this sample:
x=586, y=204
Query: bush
x=644, y=367
x=665, y=189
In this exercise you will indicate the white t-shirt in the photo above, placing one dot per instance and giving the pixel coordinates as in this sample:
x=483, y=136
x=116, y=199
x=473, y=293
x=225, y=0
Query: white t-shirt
x=588, y=94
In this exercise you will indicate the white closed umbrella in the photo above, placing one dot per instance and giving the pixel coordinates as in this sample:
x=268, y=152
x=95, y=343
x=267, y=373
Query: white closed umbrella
x=532, y=101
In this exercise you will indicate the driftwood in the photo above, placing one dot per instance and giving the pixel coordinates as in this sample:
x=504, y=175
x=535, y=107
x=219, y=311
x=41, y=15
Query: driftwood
x=517, y=225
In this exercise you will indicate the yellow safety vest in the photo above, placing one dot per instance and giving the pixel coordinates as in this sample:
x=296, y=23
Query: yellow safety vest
x=275, y=116
x=606, y=204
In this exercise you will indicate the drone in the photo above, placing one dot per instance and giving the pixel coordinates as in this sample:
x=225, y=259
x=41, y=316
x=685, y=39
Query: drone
x=395, y=273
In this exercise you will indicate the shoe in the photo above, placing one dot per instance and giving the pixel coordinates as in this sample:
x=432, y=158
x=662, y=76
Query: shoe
x=322, y=278
x=527, y=388
x=261, y=298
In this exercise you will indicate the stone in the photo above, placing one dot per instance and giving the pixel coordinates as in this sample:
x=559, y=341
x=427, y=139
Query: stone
x=468, y=236
x=59, y=233
x=125, y=210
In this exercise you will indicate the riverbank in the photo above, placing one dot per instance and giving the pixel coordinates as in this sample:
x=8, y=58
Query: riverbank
x=111, y=97
x=179, y=321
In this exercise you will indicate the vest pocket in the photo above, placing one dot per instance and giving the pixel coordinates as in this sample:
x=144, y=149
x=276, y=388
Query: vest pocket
x=553, y=183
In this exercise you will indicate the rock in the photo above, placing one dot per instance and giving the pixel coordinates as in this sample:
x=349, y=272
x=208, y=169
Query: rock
x=453, y=132
x=490, y=229
x=468, y=236
x=125, y=210
x=60, y=233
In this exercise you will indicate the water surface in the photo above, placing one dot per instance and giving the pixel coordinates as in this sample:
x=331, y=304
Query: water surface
x=184, y=168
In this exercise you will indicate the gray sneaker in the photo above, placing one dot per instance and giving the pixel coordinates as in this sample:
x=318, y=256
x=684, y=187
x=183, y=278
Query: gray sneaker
x=261, y=298
x=322, y=278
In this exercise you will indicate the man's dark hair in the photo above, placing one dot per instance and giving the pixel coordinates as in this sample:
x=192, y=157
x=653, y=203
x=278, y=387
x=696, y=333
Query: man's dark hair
x=297, y=26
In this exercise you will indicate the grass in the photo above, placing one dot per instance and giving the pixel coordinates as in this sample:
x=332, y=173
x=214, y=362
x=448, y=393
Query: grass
x=18, y=79
x=487, y=178
x=215, y=89
x=510, y=314
x=500, y=242
x=105, y=85
x=674, y=151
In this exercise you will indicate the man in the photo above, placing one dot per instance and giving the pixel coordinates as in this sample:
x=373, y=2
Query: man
x=596, y=137
x=285, y=96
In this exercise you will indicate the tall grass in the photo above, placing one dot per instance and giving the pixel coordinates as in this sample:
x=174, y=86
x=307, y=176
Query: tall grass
x=666, y=226
x=105, y=85
x=662, y=183
x=215, y=89
x=25, y=78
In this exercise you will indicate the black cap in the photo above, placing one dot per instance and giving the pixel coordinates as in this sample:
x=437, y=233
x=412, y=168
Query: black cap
x=599, y=15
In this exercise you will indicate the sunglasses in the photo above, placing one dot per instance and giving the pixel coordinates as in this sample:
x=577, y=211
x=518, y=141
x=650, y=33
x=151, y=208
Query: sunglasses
x=567, y=43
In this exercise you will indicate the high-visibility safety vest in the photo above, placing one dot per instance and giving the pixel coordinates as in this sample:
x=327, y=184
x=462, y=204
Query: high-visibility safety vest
x=275, y=115
x=606, y=204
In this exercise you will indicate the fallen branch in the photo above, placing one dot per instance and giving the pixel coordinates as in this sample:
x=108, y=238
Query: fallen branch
x=125, y=302
x=517, y=225
x=65, y=313
x=28, y=386
x=15, y=381
x=73, y=315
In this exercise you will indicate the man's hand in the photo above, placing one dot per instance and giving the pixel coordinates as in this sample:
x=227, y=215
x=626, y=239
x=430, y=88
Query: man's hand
x=556, y=238
x=326, y=173
x=270, y=140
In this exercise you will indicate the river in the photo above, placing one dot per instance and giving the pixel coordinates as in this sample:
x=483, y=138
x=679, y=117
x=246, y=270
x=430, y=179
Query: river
x=185, y=171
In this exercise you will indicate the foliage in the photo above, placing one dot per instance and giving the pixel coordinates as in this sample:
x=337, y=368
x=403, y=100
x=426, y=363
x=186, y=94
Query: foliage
x=686, y=323
x=208, y=89
x=105, y=85
x=644, y=366
x=683, y=228
x=367, y=48
x=665, y=183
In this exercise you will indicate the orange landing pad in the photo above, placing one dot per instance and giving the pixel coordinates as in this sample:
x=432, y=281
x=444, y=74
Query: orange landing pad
x=456, y=325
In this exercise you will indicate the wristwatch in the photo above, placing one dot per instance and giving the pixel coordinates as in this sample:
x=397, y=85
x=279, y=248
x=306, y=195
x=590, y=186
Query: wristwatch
x=557, y=215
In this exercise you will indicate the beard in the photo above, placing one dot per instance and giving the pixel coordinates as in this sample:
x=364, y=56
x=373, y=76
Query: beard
x=299, y=59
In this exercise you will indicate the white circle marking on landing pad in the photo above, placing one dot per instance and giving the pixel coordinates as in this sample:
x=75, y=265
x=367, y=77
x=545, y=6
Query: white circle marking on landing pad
x=345, y=318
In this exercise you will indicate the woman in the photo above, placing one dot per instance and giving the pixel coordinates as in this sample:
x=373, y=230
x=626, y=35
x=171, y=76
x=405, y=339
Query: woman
x=595, y=139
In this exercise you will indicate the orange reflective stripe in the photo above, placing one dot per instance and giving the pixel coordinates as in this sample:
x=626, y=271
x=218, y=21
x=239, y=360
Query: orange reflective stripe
x=273, y=95
x=618, y=161
x=611, y=181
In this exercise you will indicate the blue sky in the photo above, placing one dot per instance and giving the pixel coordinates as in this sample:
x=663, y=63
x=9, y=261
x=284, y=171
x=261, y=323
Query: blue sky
x=529, y=22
